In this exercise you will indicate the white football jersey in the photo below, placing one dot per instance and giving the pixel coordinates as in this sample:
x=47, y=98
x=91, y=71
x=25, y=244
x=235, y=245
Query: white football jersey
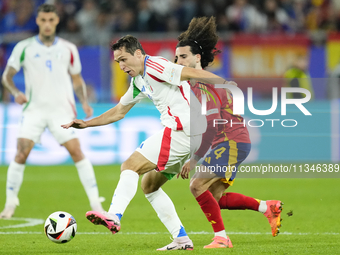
x=48, y=84
x=161, y=83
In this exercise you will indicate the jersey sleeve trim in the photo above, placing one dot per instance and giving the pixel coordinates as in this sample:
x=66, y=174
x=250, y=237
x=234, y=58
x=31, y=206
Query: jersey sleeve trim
x=155, y=78
x=72, y=58
x=136, y=90
x=74, y=61
x=17, y=57
x=164, y=70
x=22, y=56
x=154, y=65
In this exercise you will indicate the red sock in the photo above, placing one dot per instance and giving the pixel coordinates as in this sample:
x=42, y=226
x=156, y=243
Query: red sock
x=236, y=201
x=211, y=210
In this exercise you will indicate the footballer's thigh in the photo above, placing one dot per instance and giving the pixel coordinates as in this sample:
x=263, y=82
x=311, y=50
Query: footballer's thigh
x=167, y=150
x=138, y=163
x=32, y=124
x=219, y=168
x=66, y=137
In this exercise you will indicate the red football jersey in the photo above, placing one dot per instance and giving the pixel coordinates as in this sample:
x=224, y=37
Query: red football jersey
x=220, y=106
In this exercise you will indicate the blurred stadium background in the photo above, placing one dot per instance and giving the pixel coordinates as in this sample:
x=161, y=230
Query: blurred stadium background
x=260, y=40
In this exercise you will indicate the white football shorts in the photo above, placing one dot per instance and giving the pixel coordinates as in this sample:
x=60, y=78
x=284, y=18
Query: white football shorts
x=33, y=124
x=169, y=149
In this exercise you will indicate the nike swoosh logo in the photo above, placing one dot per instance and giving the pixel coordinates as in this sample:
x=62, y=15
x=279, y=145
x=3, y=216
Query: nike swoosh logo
x=170, y=248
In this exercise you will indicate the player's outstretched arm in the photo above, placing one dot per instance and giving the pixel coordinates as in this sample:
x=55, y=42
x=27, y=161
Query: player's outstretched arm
x=79, y=124
x=80, y=90
x=203, y=76
x=7, y=81
x=114, y=114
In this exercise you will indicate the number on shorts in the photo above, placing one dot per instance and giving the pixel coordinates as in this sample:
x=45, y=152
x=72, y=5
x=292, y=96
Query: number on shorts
x=219, y=152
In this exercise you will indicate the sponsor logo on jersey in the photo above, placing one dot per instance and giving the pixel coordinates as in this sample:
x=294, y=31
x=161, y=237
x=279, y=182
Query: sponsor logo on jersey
x=202, y=87
x=172, y=74
x=149, y=86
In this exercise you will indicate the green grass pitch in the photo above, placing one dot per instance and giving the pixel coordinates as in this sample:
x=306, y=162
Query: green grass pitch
x=313, y=229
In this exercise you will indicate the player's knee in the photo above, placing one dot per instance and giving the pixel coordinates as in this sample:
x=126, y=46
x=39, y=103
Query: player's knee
x=125, y=166
x=21, y=157
x=144, y=188
x=217, y=190
x=73, y=147
x=77, y=155
x=196, y=188
x=22, y=154
x=149, y=187
x=216, y=195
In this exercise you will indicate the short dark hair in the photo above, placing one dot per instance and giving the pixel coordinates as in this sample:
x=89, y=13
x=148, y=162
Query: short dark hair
x=202, y=38
x=47, y=8
x=130, y=43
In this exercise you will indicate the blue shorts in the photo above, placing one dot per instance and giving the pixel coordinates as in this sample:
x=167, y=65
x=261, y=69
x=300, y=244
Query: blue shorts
x=226, y=155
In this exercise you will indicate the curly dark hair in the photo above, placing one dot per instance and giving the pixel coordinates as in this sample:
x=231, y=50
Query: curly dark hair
x=202, y=38
x=130, y=43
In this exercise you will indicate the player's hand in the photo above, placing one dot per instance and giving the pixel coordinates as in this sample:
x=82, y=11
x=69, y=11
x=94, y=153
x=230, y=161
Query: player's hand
x=185, y=171
x=188, y=166
x=75, y=124
x=20, y=98
x=88, y=110
x=232, y=83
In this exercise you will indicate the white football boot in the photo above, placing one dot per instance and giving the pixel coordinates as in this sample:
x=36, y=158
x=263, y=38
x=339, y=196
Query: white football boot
x=179, y=243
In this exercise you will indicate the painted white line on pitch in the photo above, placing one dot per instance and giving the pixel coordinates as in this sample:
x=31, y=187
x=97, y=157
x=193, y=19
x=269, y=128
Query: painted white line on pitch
x=21, y=233
x=166, y=233
x=29, y=223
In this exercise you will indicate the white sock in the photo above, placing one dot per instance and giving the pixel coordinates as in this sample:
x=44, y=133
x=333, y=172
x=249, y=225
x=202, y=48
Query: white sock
x=262, y=207
x=88, y=179
x=166, y=212
x=221, y=233
x=126, y=189
x=15, y=176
